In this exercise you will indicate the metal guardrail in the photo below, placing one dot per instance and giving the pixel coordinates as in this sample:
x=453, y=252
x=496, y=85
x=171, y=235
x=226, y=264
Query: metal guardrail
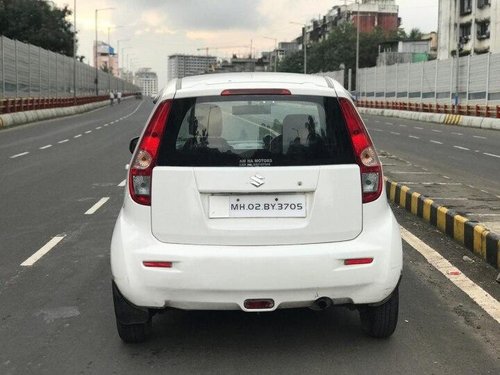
x=11, y=105
x=465, y=110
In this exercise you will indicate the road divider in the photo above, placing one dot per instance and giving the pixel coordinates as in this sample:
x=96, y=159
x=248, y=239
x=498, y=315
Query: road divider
x=475, y=236
x=445, y=119
x=19, y=118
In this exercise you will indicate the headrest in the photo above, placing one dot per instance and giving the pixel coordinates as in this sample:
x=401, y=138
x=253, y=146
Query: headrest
x=295, y=130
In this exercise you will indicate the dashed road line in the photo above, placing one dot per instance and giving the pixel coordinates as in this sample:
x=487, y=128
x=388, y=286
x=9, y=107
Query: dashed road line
x=478, y=294
x=402, y=126
x=462, y=148
x=492, y=155
x=413, y=136
x=88, y=132
x=395, y=133
x=456, y=133
x=437, y=131
x=436, y=142
x=18, y=155
x=77, y=136
x=63, y=141
x=389, y=123
x=121, y=184
x=418, y=127
x=378, y=130
x=478, y=137
x=42, y=251
x=98, y=128
x=96, y=206
x=45, y=147
x=406, y=172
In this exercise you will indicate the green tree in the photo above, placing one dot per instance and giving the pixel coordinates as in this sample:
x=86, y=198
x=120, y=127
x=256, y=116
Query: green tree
x=39, y=23
x=293, y=63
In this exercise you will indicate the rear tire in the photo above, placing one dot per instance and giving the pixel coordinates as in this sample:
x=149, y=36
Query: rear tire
x=381, y=321
x=133, y=333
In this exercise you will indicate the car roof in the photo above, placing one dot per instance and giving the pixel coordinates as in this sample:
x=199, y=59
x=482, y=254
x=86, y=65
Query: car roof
x=213, y=84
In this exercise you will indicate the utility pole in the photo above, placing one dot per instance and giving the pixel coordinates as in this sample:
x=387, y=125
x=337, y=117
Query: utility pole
x=357, y=51
x=74, y=52
x=457, y=54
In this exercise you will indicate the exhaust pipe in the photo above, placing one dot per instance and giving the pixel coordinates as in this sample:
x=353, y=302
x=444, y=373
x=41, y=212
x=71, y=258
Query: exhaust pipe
x=322, y=303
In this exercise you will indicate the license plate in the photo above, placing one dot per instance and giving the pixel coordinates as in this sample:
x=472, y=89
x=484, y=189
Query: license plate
x=265, y=205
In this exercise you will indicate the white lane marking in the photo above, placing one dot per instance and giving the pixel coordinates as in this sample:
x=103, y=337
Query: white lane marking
x=478, y=294
x=451, y=199
x=436, y=142
x=405, y=172
x=484, y=191
x=389, y=123
x=462, y=148
x=493, y=155
x=446, y=177
x=121, y=184
x=418, y=127
x=493, y=215
x=478, y=137
x=18, y=155
x=431, y=183
x=456, y=133
x=63, y=141
x=43, y=250
x=88, y=131
x=378, y=130
x=402, y=126
x=105, y=125
x=96, y=206
x=395, y=133
x=77, y=136
x=99, y=127
x=437, y=131
x=413, y=136
x=44, y=147
x=377, y=121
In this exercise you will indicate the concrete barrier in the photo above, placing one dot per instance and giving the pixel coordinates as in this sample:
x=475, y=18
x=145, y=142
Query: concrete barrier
x=474, y=236
x=19, y=118
x=447, y=119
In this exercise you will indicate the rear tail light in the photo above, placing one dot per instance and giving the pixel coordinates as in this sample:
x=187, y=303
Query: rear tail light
x=366, y=157
x=145, y=156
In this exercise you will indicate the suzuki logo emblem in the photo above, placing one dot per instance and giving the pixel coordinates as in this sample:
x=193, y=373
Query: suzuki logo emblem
x=257, y=180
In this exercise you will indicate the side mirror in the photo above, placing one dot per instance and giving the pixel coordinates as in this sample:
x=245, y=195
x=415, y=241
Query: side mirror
x=133, y=144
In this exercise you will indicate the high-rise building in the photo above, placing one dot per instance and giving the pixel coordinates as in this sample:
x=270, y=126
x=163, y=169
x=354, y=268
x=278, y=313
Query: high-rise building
x=478, y=27
x=106, y=58
x=147, y=81
x=180, y=66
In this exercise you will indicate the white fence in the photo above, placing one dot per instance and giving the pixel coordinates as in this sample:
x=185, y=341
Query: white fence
x=435, y=81
x=30, y=71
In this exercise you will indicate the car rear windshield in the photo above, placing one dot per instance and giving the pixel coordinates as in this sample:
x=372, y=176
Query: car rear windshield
x=254, y=131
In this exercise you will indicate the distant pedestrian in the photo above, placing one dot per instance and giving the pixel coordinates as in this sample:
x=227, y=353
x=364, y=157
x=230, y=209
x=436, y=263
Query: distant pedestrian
x=111, y=97
x=119, y=97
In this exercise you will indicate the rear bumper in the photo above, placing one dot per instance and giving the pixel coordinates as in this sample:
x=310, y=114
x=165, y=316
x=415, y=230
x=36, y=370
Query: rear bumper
x=223, y=277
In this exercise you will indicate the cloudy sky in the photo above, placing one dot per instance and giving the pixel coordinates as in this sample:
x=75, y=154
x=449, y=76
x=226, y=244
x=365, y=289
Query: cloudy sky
x=150, y=30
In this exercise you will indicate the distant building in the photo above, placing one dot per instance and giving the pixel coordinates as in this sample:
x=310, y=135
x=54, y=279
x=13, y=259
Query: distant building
x=244, y=64
x=478, y=31
x=180, y=66
x=106, y=57
x=404, y=51
x=147, y=81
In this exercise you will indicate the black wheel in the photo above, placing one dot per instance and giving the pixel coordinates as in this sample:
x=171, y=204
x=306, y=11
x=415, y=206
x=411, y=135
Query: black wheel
x=381, y=321
x=133, y=322
x=133, y=333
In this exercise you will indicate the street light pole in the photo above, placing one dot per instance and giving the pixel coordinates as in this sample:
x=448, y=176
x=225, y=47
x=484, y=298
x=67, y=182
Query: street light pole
x=74, y=52
x=357, y=51
x=304, y=44
x=95, y=50
x=275, y=52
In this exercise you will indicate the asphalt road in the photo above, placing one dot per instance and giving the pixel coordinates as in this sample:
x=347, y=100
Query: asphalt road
x=465, y=154
x=57, y=316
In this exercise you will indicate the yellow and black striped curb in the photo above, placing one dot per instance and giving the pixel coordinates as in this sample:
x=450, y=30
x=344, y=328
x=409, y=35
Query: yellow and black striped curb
x=452, y=119
x=474, y=236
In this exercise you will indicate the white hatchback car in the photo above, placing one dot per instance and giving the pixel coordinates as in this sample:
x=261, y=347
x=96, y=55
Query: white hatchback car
x=254, y=192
